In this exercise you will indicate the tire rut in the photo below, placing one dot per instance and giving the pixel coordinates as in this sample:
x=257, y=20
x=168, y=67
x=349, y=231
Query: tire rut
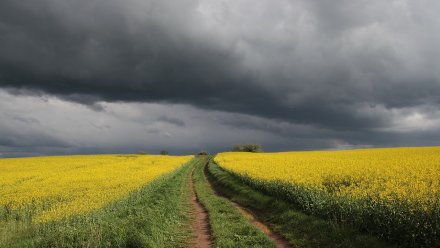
x=202, y=229
x=277, y=239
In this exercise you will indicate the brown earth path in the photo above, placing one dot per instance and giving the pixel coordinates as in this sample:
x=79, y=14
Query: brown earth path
x=202, y=230
x=277, y=239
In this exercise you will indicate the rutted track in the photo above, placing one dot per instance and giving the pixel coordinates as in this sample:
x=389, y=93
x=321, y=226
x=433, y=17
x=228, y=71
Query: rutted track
x=277, y=239
x=202, y=230
x=298, y=228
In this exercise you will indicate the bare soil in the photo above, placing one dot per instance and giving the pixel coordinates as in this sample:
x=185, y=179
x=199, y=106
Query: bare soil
x=202, y=229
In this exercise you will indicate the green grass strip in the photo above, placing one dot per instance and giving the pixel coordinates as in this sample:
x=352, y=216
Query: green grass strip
x=157, y=215
x=229, y=227
x=299, y=229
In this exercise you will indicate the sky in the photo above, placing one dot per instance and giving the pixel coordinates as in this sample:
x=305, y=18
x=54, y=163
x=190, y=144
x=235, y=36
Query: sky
x=113, y=76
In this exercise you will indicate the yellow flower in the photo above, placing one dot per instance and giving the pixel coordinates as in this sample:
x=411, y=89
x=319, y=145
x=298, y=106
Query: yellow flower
x=52, y=188
x=390, y=175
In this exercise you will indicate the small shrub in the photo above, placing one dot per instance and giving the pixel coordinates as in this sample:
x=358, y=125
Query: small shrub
x=247, y=148
x=203, y=153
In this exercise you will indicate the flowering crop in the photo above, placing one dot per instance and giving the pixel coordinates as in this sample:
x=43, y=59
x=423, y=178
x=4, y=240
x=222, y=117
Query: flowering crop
x=394, y=192
x=43, y=189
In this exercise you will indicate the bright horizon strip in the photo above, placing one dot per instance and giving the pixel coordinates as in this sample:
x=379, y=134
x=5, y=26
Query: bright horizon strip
x=63, y=186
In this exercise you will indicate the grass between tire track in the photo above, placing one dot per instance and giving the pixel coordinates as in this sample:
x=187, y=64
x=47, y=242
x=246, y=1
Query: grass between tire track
x=299, y=229
x=229, y=227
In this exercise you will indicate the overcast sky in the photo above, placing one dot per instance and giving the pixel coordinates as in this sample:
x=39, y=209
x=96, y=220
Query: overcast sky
x=116, y=76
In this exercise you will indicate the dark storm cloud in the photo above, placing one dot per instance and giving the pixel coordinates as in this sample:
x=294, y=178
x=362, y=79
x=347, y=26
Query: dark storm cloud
x=36, y=125
x=105, y=49
x=337, y=66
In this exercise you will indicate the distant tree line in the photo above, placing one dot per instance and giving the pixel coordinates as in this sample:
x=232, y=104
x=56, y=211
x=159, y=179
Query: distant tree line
x=236, y=148
x=247, y=148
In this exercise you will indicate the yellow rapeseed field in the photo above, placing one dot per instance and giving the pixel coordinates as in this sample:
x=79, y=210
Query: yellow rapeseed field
x=51, y=188
x=411, y=175
x=394, y=192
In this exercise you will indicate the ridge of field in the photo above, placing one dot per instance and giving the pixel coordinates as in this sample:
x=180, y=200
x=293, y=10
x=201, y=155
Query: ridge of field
x=42, y=189
x=393, y=192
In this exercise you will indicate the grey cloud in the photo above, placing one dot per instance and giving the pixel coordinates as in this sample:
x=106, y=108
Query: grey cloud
x=172, y=120
x=153, y=131
x=10, y=138
x=23, y=119
x=100, y=126
x=299, y=68
x=70, y=128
